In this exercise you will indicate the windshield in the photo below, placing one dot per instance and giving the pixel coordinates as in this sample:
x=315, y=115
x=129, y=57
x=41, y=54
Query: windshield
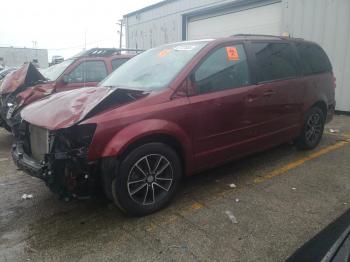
x=155, y=68
x=53, y=72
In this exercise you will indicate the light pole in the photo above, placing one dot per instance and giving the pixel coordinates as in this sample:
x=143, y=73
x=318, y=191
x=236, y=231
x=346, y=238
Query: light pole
x=120, y=23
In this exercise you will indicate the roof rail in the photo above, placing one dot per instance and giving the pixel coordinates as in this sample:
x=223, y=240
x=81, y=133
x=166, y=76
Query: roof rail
x=106, y=51
x=273, y=36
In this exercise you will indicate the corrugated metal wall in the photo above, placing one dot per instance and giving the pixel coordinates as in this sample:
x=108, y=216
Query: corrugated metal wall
x=326, y=22
x=162, y=24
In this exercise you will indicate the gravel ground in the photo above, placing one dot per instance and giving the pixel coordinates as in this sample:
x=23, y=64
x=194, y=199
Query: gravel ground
x=281, y=198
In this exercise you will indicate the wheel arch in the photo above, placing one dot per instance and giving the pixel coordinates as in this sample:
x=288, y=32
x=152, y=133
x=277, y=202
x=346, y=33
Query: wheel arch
x=322, y=105
x=151, y=131
x=167, y=139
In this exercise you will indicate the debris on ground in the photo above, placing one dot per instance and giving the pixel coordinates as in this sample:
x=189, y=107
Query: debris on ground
x=27, y=196
x=294, y=188
x=237, y=200
x=233, y=185
x=176, y=246
x=182, y=248
x=231, y=217
x=334, y=130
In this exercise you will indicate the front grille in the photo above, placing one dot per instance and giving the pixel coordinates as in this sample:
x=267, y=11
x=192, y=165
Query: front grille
x=39, y=142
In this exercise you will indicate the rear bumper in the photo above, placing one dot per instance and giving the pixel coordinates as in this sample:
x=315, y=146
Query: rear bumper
x=26, y=163
x=330, y=113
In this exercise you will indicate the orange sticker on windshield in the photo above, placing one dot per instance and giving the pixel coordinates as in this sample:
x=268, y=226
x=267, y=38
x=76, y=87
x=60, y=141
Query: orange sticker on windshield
x=164, y=52
x=232, y=54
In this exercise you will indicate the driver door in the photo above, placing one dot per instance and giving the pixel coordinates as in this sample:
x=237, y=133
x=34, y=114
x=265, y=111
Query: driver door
x=226, y=107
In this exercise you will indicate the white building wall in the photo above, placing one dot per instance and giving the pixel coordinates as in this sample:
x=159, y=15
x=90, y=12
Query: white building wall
x=326, y=22
x=17, y=56
x=162, y=24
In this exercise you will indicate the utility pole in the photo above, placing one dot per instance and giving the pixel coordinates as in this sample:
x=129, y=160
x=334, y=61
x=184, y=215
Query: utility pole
x=120, y=32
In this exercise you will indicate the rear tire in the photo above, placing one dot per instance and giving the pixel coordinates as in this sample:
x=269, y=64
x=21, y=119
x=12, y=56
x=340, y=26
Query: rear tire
x=147, y=179
x=312, y=130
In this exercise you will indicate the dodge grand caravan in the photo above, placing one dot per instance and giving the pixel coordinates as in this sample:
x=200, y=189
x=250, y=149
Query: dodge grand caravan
x=175, y=110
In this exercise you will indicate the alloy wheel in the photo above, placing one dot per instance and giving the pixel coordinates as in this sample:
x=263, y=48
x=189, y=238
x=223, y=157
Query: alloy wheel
x=313, y=128
x=150, y=179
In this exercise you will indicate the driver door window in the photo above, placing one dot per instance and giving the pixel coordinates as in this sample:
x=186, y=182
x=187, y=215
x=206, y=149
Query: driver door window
x=88, y=71
x=225, y=68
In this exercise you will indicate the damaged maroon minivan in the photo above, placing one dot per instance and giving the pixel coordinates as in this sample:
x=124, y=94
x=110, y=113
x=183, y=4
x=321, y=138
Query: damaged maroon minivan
x=28, y=84
x=175, y=110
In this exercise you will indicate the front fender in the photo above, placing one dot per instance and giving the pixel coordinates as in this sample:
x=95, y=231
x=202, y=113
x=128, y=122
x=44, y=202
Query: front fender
x=131, y=133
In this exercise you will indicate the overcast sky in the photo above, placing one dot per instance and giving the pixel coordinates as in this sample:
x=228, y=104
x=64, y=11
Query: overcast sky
x=61, y=25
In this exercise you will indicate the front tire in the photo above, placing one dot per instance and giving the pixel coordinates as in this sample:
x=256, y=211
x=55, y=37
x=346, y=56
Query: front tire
x=147, y=179
x=312, y=131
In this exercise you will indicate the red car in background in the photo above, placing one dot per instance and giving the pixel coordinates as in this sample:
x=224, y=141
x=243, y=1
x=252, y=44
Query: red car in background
x=176, y=110
x=28, y=84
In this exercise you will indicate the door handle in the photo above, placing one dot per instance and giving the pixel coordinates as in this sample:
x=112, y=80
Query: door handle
x=251, y=98
x=269, y=93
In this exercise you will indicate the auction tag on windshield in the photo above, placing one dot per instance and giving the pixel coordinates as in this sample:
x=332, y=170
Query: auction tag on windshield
x=164, y=52
x=232, y=53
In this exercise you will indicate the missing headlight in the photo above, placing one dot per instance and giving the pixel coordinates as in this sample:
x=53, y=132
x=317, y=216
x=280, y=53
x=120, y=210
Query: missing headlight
x=77, y=138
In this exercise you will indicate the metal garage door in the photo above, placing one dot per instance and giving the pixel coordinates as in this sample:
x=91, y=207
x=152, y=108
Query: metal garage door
x=260, y=20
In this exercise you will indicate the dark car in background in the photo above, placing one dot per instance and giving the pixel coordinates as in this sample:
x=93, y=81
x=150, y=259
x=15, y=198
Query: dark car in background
x=176, y=110
x=29, y=84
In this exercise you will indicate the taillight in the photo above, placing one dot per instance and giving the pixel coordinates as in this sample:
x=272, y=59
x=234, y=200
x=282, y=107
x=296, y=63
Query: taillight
x=334, y=81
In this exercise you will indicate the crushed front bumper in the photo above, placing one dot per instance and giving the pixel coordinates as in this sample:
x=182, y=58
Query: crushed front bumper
x=61, y=161
x=26, y=163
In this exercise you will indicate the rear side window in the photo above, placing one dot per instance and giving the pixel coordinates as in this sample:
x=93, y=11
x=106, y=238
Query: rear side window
x=88, y=71
x=118, y=62
x=314, y=59
x=275, y=61
x=225, y=68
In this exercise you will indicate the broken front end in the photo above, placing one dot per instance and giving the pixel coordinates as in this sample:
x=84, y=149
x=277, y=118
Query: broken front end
x=19, y=89
x=60, y=158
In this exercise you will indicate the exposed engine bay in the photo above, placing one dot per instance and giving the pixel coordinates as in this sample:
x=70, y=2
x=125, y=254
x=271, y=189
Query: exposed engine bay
x=57, y=157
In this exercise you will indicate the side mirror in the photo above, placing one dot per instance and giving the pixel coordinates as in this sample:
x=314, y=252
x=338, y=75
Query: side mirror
x=187, y=88
x=65, y=79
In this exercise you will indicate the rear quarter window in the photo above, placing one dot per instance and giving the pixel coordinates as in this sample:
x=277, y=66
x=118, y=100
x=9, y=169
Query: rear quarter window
x=274, y=61
x=313, y=58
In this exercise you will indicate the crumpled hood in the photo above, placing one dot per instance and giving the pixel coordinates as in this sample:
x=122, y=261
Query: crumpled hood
x=62, y=110
x=26, y=76
x=35, y=93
